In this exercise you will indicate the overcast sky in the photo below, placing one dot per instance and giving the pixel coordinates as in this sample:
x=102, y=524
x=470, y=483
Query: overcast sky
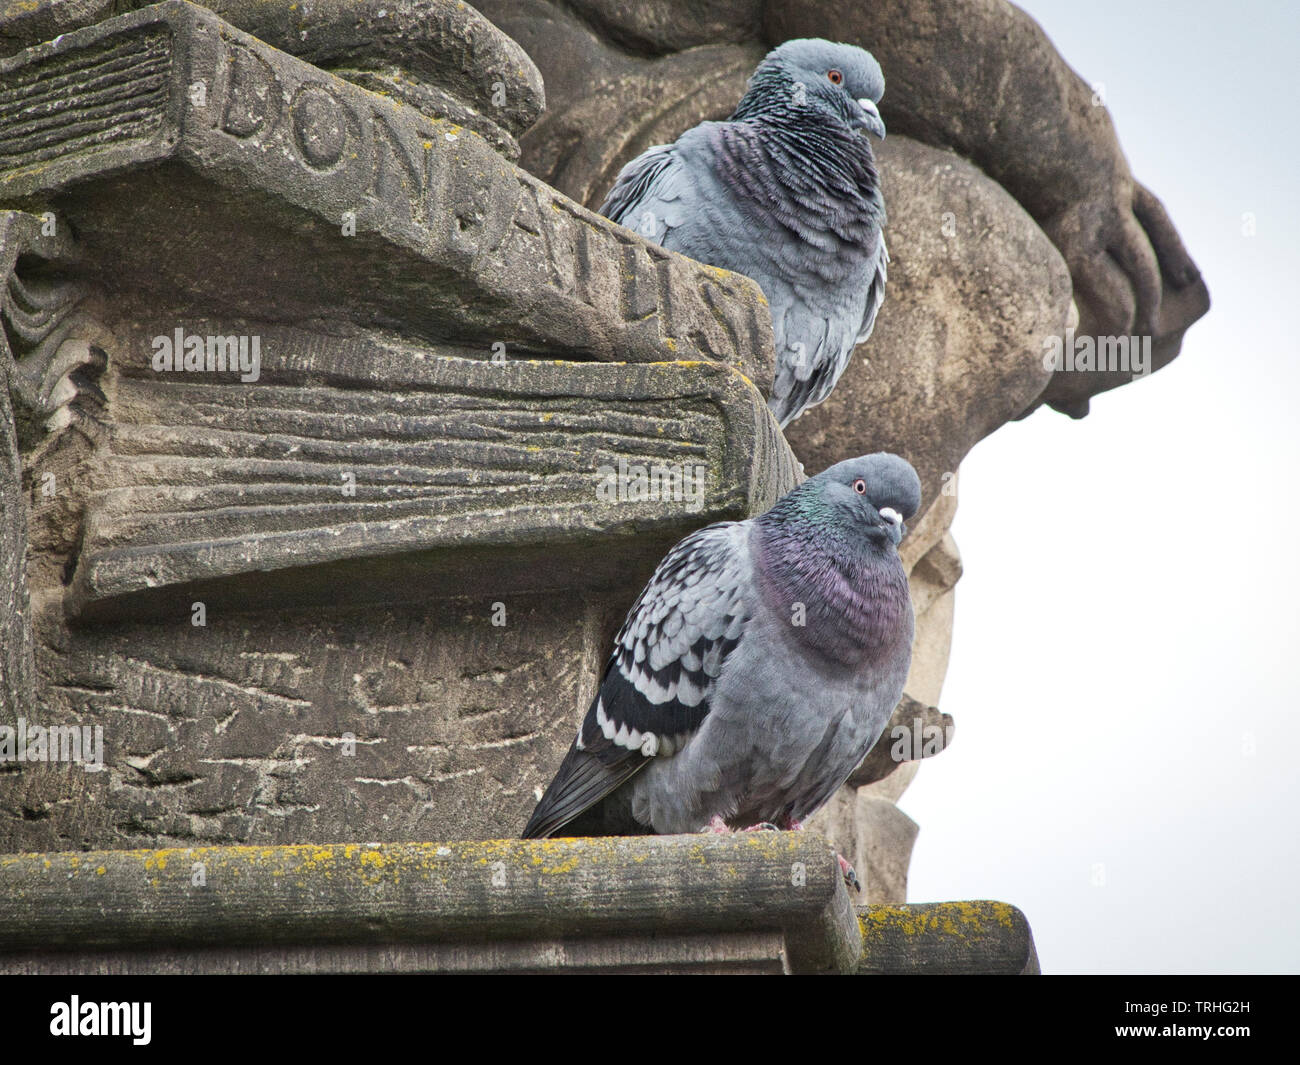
x=1126, y=640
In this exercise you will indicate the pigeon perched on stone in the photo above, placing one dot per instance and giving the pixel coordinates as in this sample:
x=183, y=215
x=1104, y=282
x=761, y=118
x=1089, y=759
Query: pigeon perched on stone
x=786, y=192
x=755, y=671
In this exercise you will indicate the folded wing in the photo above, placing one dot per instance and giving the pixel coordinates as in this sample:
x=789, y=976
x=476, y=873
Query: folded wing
x=657, y=686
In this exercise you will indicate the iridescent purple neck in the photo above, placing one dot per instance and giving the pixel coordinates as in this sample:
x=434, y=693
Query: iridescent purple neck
x=856, y=609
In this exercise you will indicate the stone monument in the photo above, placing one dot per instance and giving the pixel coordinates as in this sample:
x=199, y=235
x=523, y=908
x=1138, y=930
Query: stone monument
x=340, y=433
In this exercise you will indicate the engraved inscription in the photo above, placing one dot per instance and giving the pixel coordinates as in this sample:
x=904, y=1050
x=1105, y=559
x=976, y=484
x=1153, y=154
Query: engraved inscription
x=323, y=127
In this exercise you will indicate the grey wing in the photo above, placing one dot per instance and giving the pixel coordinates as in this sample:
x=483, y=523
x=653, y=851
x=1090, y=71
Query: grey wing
x=649, y=193
x=809, y=368
x=658, y=683
x=875, y=293
x=813, y=352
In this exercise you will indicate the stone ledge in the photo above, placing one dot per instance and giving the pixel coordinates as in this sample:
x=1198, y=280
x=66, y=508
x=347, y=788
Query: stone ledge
x=765, y=902
x=949, y=938
x=761, y=903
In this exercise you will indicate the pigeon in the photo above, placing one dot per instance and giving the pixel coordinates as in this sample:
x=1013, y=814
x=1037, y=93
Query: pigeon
x=785, y=192
x=755, y=671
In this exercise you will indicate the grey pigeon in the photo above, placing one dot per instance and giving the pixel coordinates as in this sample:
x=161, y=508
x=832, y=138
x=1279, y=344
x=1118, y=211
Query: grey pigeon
x=755, y=671
x=785, y=191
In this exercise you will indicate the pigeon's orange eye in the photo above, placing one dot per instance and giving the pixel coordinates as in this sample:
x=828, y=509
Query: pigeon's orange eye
x=860, y=486
x=835, y=76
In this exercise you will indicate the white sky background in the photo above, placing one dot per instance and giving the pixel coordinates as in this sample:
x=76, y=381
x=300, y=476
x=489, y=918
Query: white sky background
x=1127, y=622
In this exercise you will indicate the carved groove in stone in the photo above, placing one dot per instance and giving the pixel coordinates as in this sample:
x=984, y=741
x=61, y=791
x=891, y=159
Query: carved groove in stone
x=84, y=100
x=204, y=481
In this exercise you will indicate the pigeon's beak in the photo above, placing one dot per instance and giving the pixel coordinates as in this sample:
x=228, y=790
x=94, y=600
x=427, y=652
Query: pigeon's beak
x=895, y=525
x=871, y=120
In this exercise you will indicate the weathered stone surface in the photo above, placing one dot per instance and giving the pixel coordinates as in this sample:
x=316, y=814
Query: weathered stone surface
x=37, y=366
x=767, y=902
x=714, y=952
x=440, y=56
x=364, y=473
x=925, y=533
x=418, y=722
x=957, y=351
x=451, y=242
x=24, y=23
x=17, y=673
x=604, y=105
x=443, y=45
x=981, y=77
x=957, y=938
x=654, y=26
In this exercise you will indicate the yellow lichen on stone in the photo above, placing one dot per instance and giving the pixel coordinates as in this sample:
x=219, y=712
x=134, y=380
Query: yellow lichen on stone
x=566, y=866
x=960, y=920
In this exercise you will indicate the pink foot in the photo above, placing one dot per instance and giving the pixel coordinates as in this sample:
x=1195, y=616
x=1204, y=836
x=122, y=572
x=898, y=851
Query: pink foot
x=718, y=825
x=763, y=826
x=794, y=826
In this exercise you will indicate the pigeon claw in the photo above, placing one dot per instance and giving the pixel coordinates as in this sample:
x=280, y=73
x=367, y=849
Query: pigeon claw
x=718, y=826
x=763, y=826
x=850, y=877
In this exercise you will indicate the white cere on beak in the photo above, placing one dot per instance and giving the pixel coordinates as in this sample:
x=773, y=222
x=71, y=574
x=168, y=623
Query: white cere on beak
x=872, y=121
x=890, y=514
